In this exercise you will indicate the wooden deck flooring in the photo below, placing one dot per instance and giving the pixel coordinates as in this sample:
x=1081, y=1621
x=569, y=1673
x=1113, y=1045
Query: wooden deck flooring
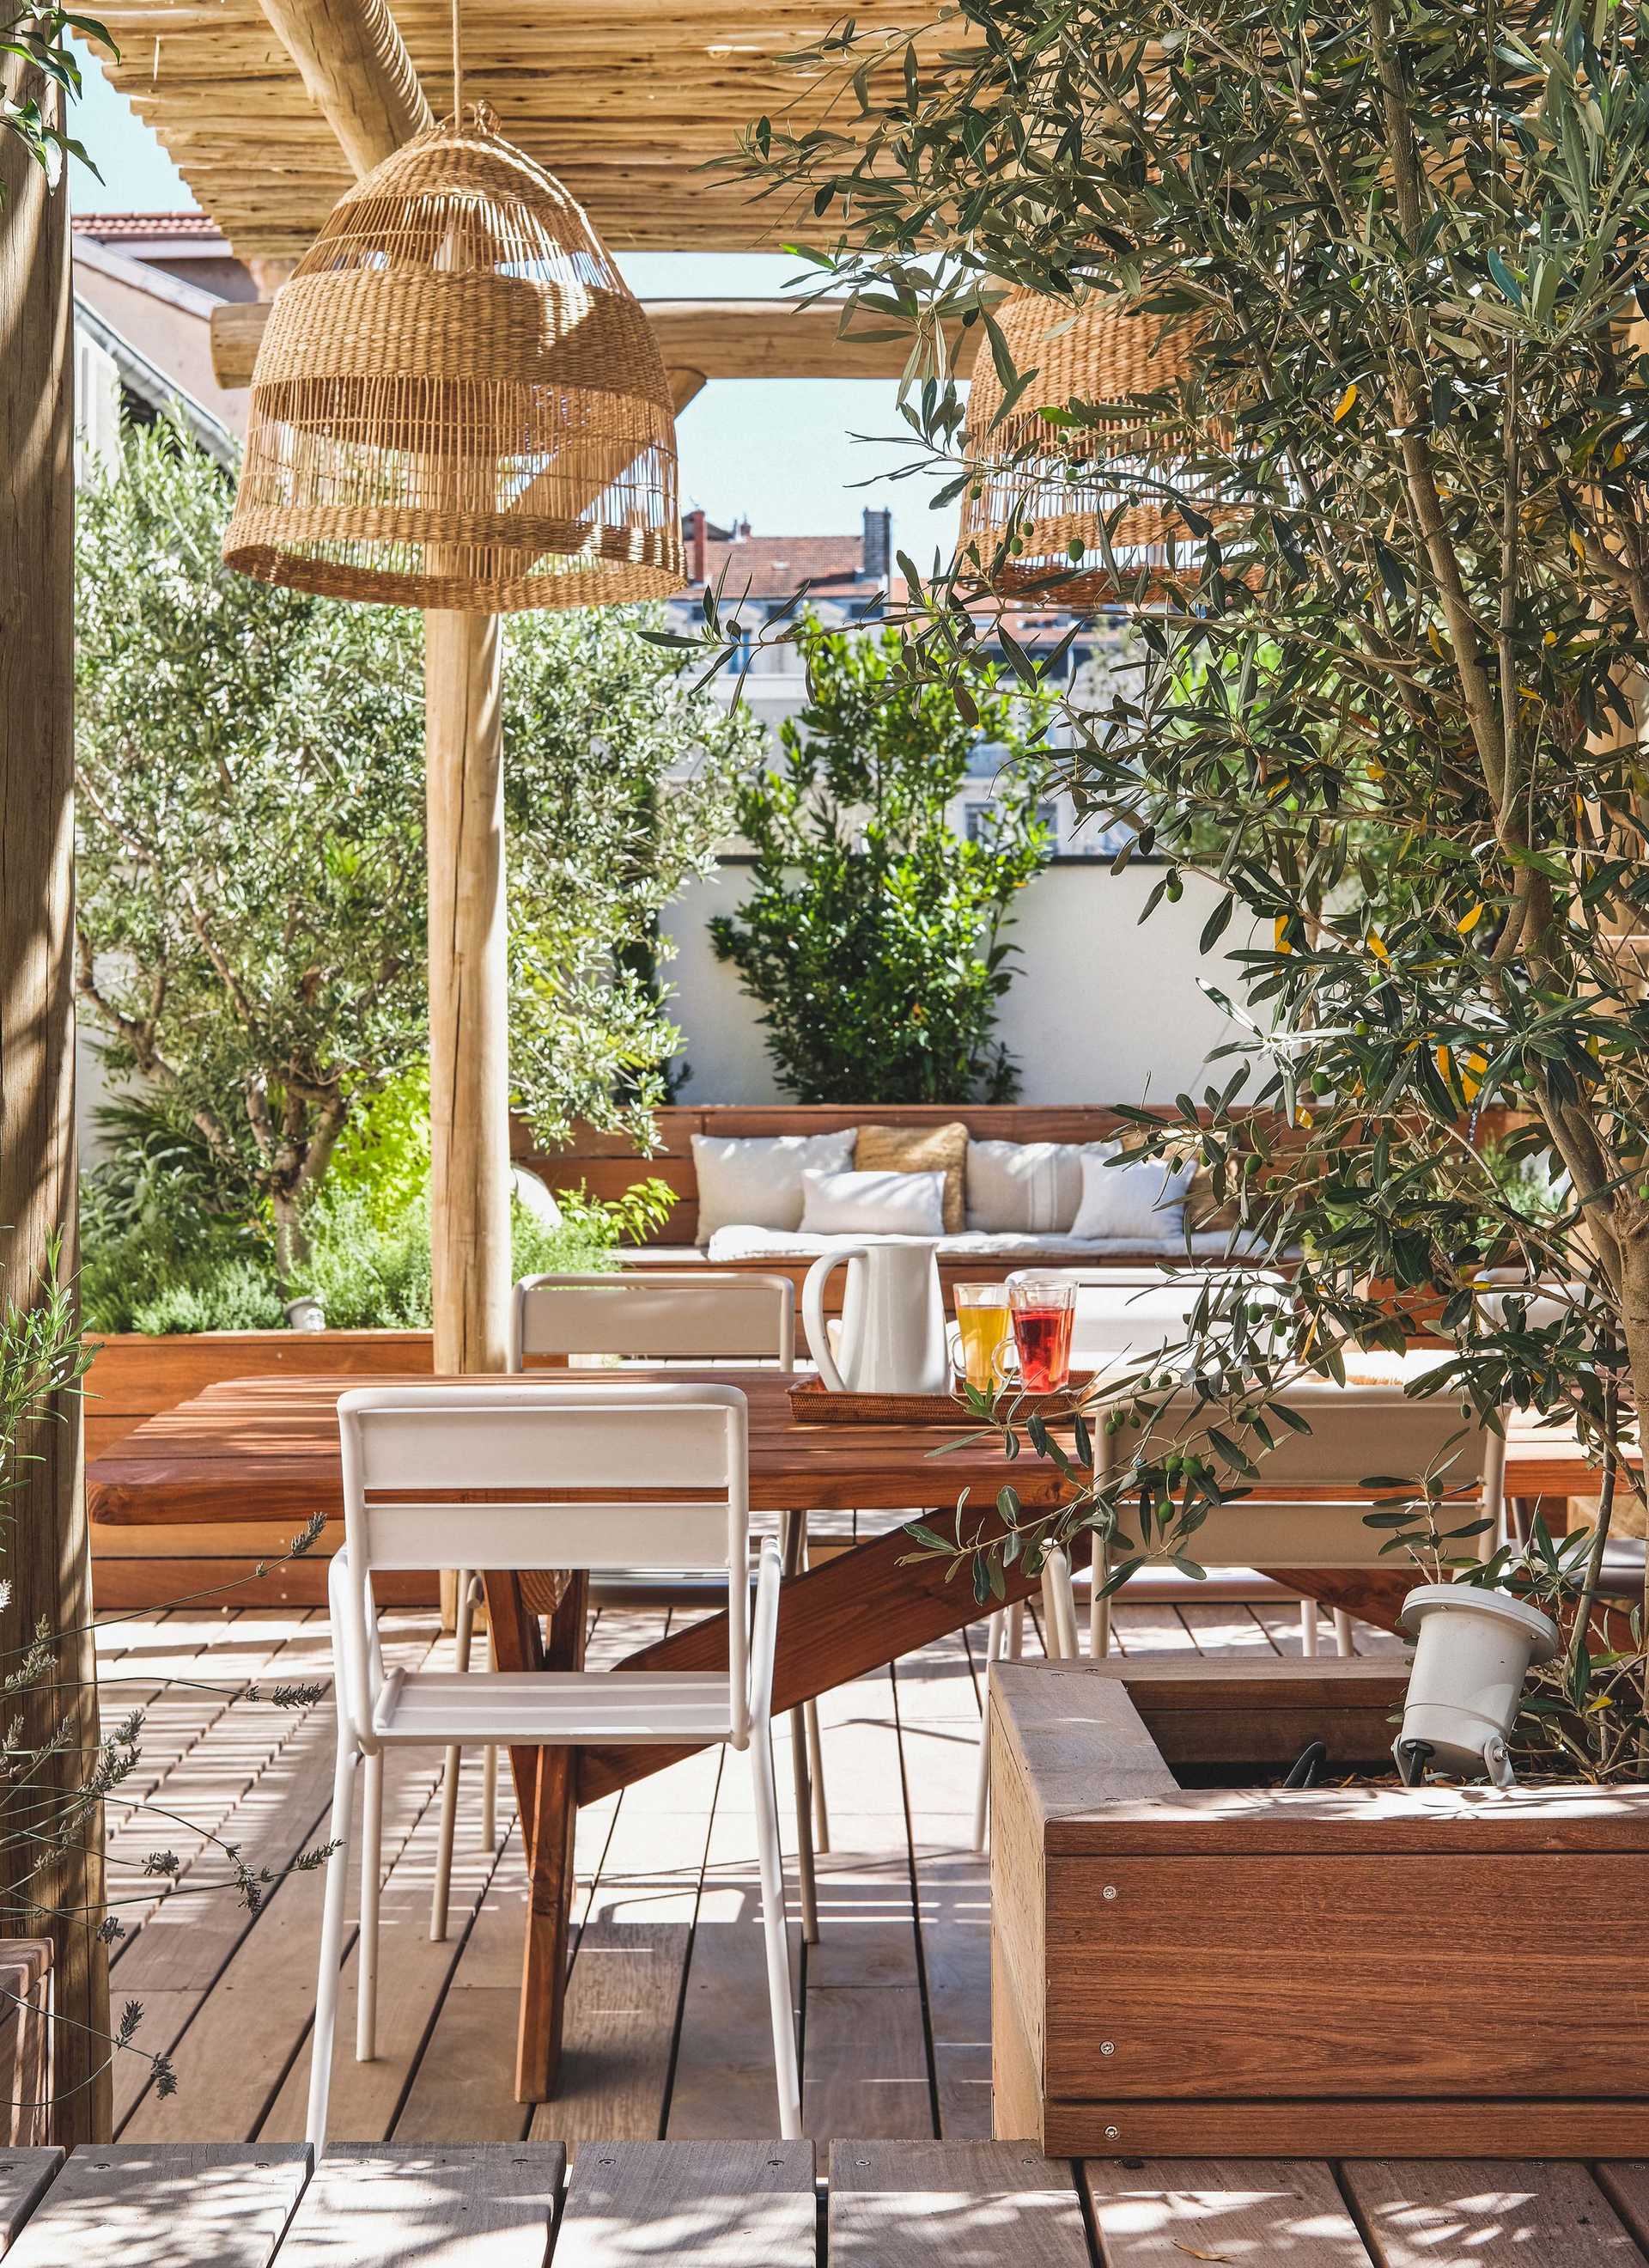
x=666, y=2020
x=782, y=2205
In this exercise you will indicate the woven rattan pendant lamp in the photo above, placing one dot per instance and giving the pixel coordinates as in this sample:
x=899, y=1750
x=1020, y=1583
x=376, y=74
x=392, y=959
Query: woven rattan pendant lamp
x=1044, y=486
x=458, y=402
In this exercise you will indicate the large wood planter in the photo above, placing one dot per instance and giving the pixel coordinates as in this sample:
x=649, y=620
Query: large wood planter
x=134, y=1376
x=25, y=2043
x=1231, y=1970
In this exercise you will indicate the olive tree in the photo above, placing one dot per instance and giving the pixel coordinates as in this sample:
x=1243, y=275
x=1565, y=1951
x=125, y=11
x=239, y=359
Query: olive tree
x=1388, y=696
x=252, y=892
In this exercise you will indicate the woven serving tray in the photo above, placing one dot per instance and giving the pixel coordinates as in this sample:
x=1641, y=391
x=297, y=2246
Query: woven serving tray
x=812, y=1403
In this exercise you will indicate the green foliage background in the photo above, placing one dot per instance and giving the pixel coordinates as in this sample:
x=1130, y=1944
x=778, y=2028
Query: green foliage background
x=872, y=934
x=251, y=912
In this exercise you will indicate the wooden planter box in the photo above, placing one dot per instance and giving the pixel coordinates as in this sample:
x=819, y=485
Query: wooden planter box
x=1250, y=1972
x=25, y=2041
x=134, y=1377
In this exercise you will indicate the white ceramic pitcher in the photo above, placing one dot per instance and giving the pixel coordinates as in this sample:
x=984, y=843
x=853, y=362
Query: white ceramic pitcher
x=893, y=1320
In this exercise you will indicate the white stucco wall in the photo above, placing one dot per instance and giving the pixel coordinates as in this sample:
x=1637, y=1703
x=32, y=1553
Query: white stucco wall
x=1104, y=1009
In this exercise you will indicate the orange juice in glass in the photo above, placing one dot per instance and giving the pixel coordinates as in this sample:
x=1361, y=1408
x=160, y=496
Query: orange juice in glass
x=984, y=1330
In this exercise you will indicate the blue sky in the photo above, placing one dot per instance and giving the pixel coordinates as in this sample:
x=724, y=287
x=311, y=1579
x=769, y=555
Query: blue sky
x=781, y=453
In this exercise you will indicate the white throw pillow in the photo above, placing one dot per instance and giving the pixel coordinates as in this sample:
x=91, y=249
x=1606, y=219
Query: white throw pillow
x=757, y=1183
x=1145, y=1200
x=1028, y=1187
x=872, y=1205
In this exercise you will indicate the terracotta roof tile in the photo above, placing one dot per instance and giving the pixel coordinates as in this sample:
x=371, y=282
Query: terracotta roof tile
x=112, y=226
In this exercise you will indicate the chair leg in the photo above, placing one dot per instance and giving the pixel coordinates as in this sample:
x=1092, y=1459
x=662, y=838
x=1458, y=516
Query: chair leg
x=774, y=1932
x=1343, y=1634
x=441, y=1897
x=1014, y=1650
x=371, y=1866
x=1099, y=1605
x=489, y=1759
x=331, y=1950
x=995, y=1631
x=815, y=1775
x=490, y=1799
x=1308, y=1628
x=792, y=1534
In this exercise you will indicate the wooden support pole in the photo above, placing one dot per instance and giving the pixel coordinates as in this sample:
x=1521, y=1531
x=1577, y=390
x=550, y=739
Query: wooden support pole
x=468, y=993
x=44, y=1556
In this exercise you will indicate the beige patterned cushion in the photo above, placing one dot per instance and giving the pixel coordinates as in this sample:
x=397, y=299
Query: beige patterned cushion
x=920, y=1150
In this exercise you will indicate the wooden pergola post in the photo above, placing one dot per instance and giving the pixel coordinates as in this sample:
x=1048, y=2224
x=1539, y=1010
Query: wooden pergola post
x=470, y=1115
x=44, y=1555
x=358, y=74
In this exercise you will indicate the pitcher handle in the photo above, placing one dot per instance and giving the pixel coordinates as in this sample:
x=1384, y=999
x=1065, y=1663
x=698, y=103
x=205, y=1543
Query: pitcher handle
x=812, y=1318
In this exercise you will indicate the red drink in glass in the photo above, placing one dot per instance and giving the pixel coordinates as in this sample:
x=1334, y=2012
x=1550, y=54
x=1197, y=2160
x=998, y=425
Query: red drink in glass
x=1043, y=1336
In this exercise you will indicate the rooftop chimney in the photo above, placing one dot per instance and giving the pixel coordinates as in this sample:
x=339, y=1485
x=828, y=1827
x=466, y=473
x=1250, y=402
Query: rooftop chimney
x=693, y=535
x=878, y=546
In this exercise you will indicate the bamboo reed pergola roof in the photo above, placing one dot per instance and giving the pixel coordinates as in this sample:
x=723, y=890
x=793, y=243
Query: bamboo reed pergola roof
x=621, y=101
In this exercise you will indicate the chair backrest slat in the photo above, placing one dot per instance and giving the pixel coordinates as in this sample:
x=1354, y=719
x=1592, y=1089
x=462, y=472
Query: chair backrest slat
x=656, y=1314
x=509, y=1450
x=1358, y=1433
x=405, y=1446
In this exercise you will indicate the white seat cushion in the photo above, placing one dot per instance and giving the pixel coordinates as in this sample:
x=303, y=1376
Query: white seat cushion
x=548, y=1708
x=744, y=1243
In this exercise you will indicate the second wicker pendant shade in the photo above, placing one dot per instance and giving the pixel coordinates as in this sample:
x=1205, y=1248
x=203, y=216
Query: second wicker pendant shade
x=458, y=402
x=1046, y=486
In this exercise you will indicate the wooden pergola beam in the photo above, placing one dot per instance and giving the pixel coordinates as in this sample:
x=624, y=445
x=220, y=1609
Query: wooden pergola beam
x=356, y=71
x=716, y=338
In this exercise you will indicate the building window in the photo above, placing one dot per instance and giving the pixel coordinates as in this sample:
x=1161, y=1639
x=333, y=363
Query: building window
x=977, y=817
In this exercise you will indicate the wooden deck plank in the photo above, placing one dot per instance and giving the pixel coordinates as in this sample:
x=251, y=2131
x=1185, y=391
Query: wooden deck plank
x=210, y=2205
x=1226, y=1627
x=1627, y=2186
x=413, y=1976
x=1433, y=2213
x=865, y=2067
x=256, y=2009
x=463, y=2086
x=489, y=2204
x=952, y=2204
x=1161, y=2212
x=723, y=2083
x=24, y=2176
x=697, y=2205
x=937, y=1702
x=1149, y=1630
x=232, y=1740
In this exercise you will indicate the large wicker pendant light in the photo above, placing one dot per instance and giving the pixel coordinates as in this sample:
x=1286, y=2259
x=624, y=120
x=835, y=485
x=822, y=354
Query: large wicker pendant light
x=1043, y=486
x=458, y=402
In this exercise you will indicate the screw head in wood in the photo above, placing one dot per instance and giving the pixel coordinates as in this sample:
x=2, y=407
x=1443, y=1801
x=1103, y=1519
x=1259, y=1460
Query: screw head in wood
x=1110, y=1891
x=1112, y=2133
x=1108, y=2047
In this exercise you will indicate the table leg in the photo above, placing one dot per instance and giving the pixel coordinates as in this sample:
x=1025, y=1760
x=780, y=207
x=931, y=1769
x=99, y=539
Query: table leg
x=546, y=1780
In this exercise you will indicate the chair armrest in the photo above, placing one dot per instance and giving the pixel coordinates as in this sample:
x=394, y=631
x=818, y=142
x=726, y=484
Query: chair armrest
x=764, y=1634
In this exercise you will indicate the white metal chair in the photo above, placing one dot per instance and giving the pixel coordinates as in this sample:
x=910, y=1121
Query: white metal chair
x=1356, y=1432
x=652, y=1315
x=1121, y=1314
x=523, y=1450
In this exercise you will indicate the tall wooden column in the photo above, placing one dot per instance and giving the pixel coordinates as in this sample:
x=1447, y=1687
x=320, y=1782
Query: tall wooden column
x=468, y=993
x=43, y=1549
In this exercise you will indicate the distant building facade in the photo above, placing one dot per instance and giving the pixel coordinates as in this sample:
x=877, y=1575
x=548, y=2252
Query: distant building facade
x=850, y=581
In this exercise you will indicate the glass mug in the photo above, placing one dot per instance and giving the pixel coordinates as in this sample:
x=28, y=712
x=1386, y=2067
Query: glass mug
x=1043, y=1310
x=983, y=1335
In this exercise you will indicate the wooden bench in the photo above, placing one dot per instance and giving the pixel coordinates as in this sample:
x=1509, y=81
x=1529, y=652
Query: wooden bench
x=608, y=1164
x=754, y=2204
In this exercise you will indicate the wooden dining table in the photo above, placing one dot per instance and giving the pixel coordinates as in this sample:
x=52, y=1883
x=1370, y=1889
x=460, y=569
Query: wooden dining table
x=263, y=1449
